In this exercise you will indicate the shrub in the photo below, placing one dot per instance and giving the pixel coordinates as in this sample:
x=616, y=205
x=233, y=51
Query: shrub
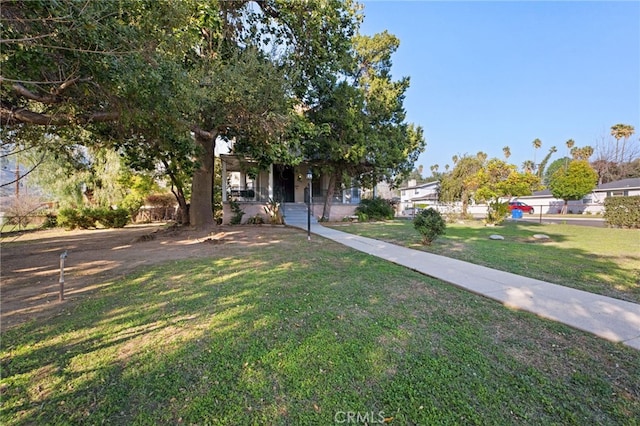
x=236, y=219
x=622, y=211
x=110, y=218
x=255, y=220
x=83, y=218
x=374, y=209
x=50, y=221
x=497, y=212
x=430, y=224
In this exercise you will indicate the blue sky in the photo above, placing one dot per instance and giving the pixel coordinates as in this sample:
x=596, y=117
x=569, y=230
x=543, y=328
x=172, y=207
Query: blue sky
x=485, y=75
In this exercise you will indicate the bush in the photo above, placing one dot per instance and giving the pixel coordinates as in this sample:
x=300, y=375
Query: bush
x=497, y=212
x=430, y=224
x=255, y=220
x=110, y=218
x=374, y=209
x=622, y=212
x=76, y=218
x=236, y=219
x=85, y=218
x=50, y=221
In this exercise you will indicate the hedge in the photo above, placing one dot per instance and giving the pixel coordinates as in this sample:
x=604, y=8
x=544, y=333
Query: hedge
x=622, y=212
x=85, y=218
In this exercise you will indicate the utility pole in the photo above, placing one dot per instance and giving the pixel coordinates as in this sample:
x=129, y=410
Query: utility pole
x=17, y=179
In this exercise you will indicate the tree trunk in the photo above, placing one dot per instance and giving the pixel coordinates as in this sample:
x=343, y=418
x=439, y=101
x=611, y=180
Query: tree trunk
x=465, y=203
x=201, y=208
x=183, y=208
x=326, y=211
x=177, y=189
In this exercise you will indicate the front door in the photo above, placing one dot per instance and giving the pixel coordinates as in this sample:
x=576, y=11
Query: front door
x=283, y=183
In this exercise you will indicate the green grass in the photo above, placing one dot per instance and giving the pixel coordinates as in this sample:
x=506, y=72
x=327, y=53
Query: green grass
x=599, y=260
x=296, y=332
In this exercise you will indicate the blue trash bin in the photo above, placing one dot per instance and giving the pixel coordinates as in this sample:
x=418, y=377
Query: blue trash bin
x=516, y=214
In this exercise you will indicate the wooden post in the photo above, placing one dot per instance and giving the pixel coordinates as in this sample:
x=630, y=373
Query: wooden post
x=63, y=256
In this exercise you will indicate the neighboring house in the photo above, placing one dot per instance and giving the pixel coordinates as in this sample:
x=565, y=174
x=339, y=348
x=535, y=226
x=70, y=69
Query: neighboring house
x=544, y=202
x=415, y=195
x=252, y=188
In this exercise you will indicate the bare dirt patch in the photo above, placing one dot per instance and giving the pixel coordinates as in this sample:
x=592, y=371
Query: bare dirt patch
x=30, y=262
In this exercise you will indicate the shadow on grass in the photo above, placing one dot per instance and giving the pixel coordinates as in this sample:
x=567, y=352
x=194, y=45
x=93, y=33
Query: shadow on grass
x=293, y=335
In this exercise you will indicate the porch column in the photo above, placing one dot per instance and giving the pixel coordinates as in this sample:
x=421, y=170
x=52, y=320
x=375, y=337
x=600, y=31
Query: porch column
x=224, y=181
x=270, y=187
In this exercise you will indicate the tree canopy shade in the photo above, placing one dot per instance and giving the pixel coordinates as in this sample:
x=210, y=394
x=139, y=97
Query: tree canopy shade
x=573, y=181
x=154, y=70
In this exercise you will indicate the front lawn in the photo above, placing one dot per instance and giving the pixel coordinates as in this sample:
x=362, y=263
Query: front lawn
x=293, y=332
x=599, y=260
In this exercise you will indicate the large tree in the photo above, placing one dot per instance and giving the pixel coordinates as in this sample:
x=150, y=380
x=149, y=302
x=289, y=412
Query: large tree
x=365, y=133
x=573, y=181
x=498, y=179
x=454, y=185
x=155, y=71
x=615, y=161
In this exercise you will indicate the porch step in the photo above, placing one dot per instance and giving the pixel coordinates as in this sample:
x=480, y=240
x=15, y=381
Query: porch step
x=296, y=214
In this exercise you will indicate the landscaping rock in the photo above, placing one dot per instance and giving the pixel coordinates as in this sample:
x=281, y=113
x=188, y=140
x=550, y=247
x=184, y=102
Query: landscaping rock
x=496, y=237
x=541, y=237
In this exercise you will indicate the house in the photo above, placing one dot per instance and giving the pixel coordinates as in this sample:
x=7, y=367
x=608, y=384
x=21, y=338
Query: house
x=592, y=203
x=244, y=182
x=416, y=195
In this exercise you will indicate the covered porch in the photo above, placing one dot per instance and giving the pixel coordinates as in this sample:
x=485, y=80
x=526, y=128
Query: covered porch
x=244, y=182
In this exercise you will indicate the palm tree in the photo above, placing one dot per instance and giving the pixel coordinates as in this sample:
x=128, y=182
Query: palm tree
x=455, y=159
x=570, y=143
x=528, y=166
x=537, y=143
x=507, y=152
x=624, y=132
x=545, y=160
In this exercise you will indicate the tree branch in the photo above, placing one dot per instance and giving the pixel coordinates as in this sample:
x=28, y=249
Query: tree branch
x=12, y=116
x=26, y=93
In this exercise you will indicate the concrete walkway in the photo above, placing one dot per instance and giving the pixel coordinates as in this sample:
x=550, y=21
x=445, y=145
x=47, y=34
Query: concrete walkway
x=609, y=318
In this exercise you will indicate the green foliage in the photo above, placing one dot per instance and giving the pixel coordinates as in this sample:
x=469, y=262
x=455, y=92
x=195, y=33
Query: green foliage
x=574, y=181
x=51, y=221
x=85, y=217
x=430, y=224
x=112, y=218
x=236, y=218
x=454, y=186
x=497, y=212
x=623, y=212
x=255, y=220
x=553, y=168
x=500, y=179
x=71, y=218
x=374, y=209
